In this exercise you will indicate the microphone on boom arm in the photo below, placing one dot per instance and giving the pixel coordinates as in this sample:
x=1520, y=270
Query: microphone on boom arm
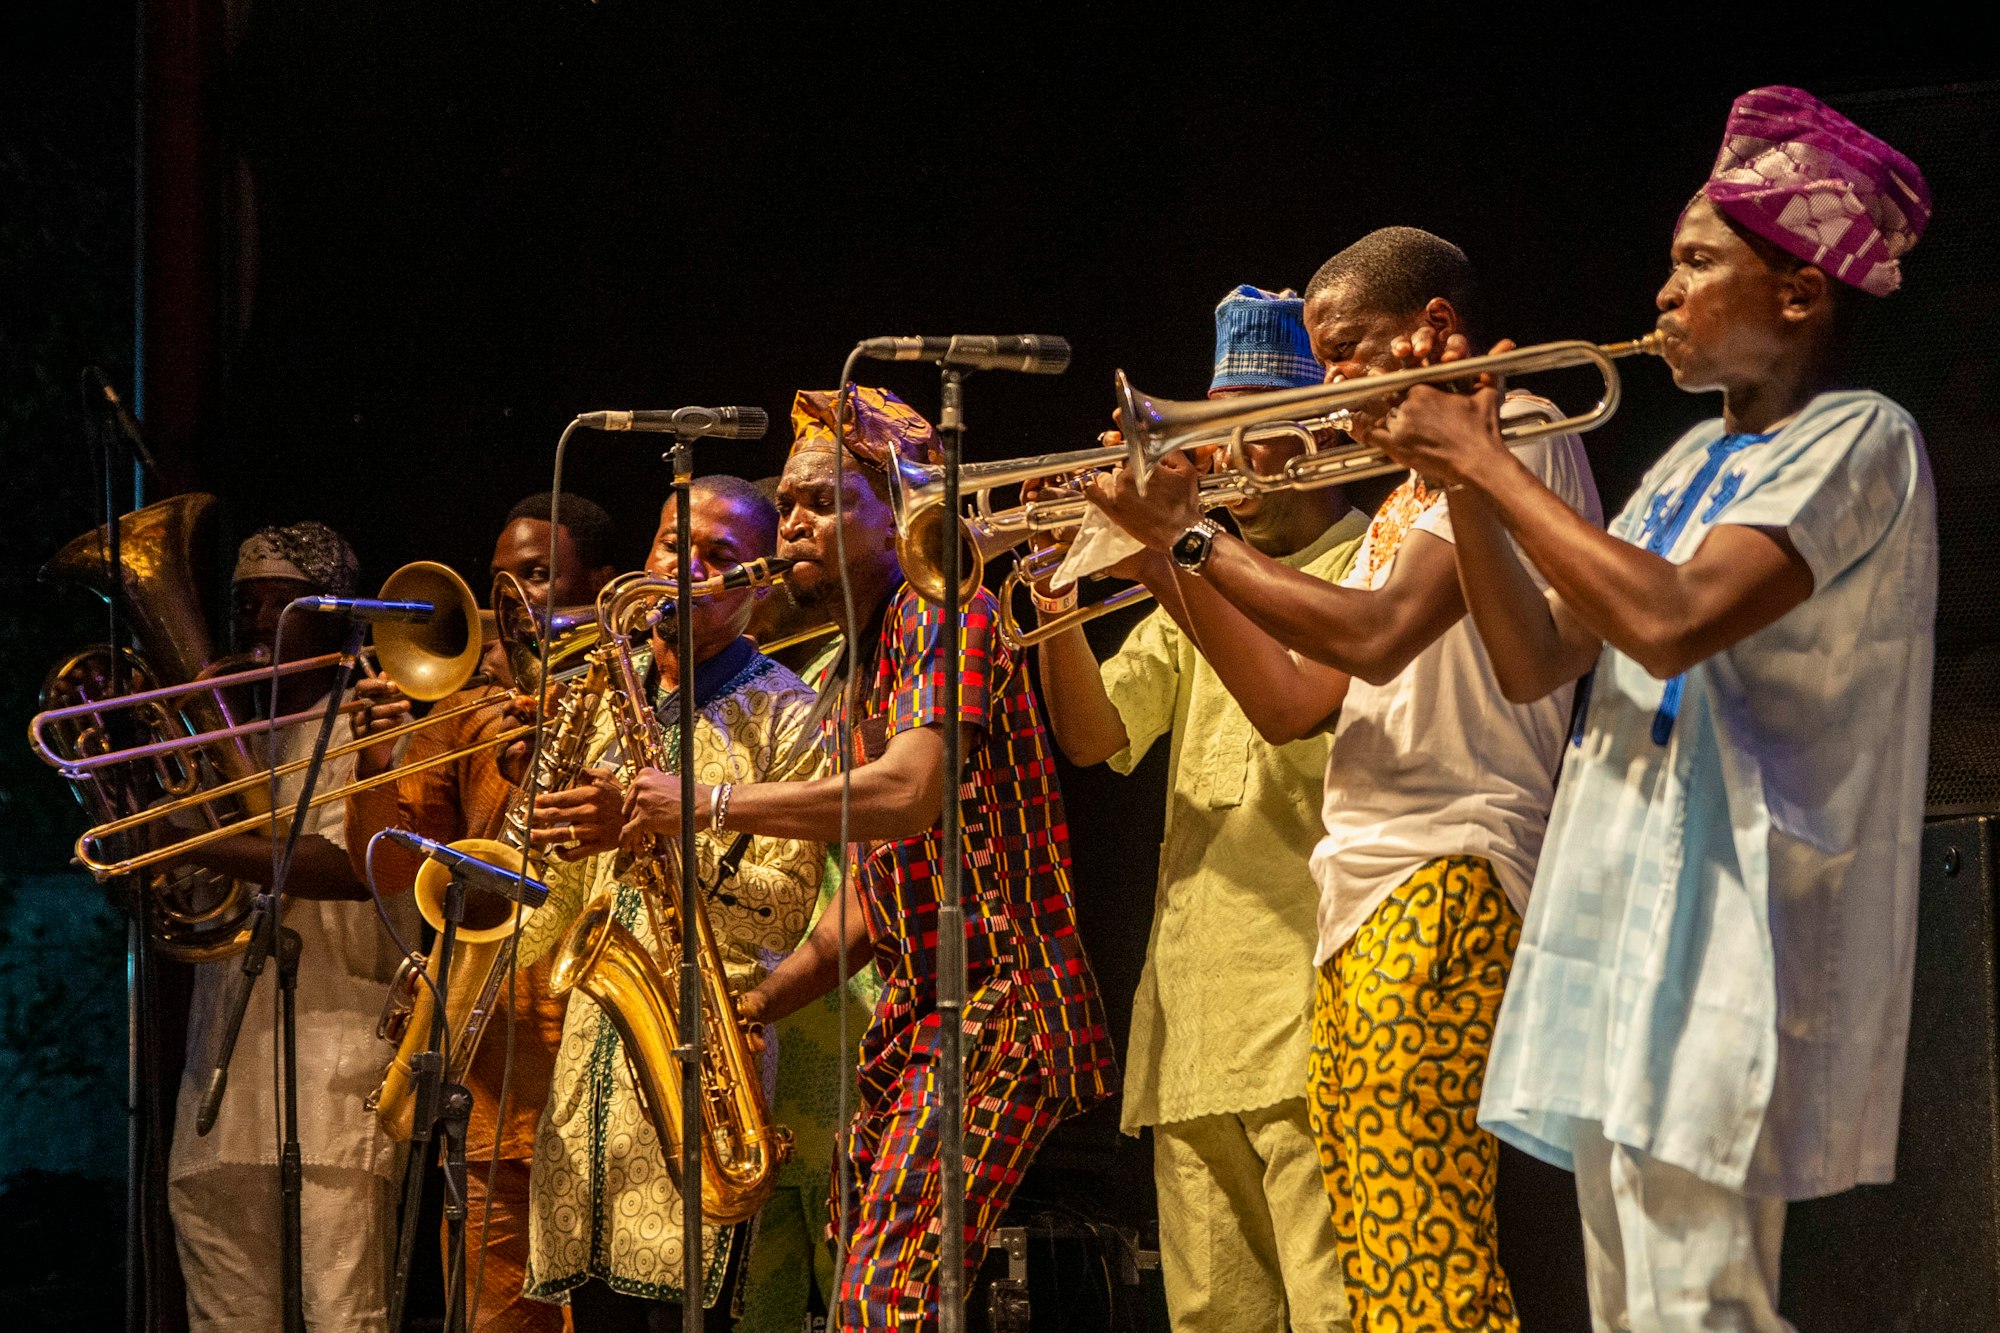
x=728, y=423
x=1027, y=353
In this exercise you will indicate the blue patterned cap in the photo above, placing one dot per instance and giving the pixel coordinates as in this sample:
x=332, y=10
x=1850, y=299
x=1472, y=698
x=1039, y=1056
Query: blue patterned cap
x=1261, y=342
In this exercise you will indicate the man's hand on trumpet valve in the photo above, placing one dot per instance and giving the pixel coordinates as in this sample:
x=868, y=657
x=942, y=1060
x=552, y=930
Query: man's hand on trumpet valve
x=385, y=712
x=653, y=805
x=1441, y=435
x=583, y=821
x=1446, y=438
x=1170, y=506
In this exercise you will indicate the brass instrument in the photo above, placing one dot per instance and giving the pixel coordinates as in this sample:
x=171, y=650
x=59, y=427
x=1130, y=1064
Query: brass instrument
x=741, y=1150
x=916, y=496
x=426, y=661
x=515, y=622
x=193, y=914
x=1154, y=428
x=488, y=936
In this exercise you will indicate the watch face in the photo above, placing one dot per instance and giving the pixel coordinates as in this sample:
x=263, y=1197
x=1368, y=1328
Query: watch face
x=1190, y=546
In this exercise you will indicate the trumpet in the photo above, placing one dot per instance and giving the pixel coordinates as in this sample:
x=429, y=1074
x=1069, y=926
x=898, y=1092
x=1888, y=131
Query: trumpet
x=1215, y=490
x=916, y=497
x=1156, y=427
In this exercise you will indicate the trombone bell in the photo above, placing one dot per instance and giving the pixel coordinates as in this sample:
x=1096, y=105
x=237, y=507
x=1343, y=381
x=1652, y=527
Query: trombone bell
x=431, y=659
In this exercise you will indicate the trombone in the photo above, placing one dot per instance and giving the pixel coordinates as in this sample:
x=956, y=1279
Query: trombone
x=427, y=662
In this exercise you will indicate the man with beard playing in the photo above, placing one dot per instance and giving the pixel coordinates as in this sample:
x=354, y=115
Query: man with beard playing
x=1036, y=1048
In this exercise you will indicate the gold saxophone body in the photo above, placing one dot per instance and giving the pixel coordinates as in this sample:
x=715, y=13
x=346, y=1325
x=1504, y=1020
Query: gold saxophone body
x=487, y=936
x=741, y=1150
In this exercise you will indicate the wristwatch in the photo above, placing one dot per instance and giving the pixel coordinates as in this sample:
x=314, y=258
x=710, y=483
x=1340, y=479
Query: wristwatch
x=1190, y=550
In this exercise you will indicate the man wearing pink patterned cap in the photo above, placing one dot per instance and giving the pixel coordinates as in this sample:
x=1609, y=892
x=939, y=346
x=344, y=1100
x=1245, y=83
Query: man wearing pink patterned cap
x=1708, y=1013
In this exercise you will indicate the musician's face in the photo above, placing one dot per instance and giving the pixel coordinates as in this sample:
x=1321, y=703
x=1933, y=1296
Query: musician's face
x=1350, y=340
x=723, y=536
x=524, y=551
x=257, y=605
x=1267, y=458
x=806, y=530
x=1724, y=306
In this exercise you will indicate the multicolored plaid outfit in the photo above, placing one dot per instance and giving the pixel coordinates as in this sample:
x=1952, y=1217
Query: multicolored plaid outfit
x=1036, y=1043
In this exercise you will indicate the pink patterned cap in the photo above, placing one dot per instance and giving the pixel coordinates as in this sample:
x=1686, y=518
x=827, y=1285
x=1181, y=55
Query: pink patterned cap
x=1811, y=181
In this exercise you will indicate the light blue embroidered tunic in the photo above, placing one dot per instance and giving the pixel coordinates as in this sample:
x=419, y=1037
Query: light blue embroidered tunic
x=1717, y=957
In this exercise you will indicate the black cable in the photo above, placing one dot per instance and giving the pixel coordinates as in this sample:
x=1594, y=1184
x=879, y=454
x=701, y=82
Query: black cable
x=846, y=663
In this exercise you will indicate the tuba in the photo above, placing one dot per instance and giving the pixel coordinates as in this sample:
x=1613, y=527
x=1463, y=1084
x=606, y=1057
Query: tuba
x=741, y=1150
x=488, y=935
x=192, y=915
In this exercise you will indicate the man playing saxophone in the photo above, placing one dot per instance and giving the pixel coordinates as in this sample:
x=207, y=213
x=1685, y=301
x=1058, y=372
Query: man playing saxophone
x=1036, y=1048
x=470, y=798
x=605, y=1227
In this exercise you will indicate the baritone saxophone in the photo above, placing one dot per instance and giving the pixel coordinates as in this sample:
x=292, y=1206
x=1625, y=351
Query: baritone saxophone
x=741, y=1150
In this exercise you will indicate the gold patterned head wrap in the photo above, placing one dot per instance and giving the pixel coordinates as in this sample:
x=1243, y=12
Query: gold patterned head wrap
x=879, y=426
x=310, y=552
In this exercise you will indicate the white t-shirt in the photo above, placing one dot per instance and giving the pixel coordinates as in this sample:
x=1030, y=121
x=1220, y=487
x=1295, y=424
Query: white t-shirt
x=1436, y=762
x=345, y=963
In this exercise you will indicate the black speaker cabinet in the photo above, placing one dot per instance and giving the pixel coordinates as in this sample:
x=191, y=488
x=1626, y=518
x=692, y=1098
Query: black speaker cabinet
x=1923, y=1255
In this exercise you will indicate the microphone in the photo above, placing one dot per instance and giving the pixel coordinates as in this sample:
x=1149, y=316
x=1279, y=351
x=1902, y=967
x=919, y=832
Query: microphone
x=728, y=423
x=372, y=609
x=478, y=874
x=99, y=394
x=1028, y=353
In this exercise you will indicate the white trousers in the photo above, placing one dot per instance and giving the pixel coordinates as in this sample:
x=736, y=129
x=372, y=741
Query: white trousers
x=226, y=1223
x=1667, y=1252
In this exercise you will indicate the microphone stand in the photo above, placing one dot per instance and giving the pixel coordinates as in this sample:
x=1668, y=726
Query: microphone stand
x=689, y=1051
x=445, y=1108
x=951, y=909
x=268, y=939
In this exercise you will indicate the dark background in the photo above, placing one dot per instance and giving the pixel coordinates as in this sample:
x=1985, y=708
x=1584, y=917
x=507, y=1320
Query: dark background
x=447, y=228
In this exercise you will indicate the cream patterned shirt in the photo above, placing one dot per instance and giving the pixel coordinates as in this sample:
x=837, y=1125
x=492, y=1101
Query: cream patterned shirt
x=603, y=1203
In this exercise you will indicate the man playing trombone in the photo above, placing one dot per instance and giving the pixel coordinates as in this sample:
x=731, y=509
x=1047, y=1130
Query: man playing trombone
x=1710, y=1009
x=223, y=1187
x=1436, y=793
x=1035, y=1042
x=469, y=798
x=1217, y=1060
x=606, y=1224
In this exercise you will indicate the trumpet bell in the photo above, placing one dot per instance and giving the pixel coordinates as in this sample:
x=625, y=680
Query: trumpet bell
x=431, y=660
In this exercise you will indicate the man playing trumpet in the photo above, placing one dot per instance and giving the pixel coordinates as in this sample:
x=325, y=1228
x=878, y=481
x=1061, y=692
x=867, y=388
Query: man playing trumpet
x=1437, y=789
x=1035, y=1042
x=1217, y=1060
x=1710, y=1009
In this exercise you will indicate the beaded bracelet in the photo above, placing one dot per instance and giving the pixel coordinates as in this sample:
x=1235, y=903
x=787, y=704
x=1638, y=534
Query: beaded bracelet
x=718, y=807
